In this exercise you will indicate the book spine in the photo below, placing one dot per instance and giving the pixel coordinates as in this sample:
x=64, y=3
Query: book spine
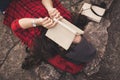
x=64, y=25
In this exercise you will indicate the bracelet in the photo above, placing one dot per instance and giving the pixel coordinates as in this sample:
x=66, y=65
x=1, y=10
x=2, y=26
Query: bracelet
x=33, y=23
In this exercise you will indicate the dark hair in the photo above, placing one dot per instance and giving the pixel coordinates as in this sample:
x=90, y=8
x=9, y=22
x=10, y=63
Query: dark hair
x=44, y=48
x=4, y=4
x=80, y=20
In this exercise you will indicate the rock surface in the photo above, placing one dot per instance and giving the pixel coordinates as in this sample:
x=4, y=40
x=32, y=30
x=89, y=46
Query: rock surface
x=12, y=52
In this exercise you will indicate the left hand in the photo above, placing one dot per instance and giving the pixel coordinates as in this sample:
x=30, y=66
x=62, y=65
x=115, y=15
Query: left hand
x=77, y=39
x=46, y=22
x=54, y=13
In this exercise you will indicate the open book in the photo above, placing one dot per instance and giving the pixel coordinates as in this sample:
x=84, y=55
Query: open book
x=93, y=12
x=63, y=33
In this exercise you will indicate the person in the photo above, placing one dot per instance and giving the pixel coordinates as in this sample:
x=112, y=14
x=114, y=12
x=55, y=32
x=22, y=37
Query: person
x=29, y=20
x=4, y=4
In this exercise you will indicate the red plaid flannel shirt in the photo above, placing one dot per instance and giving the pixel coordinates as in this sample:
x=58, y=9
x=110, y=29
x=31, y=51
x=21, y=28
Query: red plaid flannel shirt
x=29, y=9
x=33, y=9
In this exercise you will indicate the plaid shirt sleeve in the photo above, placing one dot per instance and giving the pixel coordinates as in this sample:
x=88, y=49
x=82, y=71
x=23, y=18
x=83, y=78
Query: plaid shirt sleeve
x=29, y=9
x=26, y=35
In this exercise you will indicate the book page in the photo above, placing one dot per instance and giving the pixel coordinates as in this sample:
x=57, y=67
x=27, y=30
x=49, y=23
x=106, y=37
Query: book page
x=63, y=33
x=77, y=30
x=85, y=10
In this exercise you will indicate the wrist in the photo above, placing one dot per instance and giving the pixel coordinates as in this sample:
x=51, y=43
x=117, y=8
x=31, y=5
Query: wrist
x=34, y=24
x=38, y=21
x=50, y=8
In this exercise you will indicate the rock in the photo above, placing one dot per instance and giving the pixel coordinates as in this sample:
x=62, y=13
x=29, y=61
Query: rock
x=98, y=2
x=97, y=34
x=48, y=72
x=11, y=69
x=13, y=50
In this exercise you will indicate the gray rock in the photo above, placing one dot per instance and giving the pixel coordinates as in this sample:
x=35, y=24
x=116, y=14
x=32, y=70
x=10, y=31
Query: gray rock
x=11, y=69
x=48, y=72
x=97, y=34
x=13, y=50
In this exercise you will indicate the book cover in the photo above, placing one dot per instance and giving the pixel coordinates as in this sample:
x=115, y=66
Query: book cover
x=63, y=33
x=87, y=11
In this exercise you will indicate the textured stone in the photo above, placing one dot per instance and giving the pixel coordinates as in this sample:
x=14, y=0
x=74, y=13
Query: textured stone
x=97, y=34
x=13, y=51
x=47, y=72
x=107, y=2
x=11, y=69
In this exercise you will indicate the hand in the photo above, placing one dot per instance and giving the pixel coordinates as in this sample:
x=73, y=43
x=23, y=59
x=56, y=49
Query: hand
x=46, y=22
x=77, y=39
x=54, y=13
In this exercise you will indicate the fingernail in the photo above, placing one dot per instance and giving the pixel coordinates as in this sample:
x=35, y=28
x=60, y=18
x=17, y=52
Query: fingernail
x=40, y=19
x=46, y=17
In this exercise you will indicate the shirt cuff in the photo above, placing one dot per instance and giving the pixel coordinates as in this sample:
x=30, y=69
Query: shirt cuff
x=15, y=25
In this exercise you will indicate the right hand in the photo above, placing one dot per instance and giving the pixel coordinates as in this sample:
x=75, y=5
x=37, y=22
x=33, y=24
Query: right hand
x=54, y=13
x=46, y=22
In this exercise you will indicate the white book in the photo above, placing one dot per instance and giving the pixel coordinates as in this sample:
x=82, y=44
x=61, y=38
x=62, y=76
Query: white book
x=86, y=10
x=63, y=33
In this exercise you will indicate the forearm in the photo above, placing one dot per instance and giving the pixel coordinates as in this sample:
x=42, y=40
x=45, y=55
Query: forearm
x=26, y=23
x=46, y=22
x=48, y=4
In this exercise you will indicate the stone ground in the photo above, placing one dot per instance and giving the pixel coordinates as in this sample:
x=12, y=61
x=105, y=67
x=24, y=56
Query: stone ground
x=104, y=35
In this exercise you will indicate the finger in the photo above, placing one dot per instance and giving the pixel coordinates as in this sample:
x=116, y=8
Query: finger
x=47, y=21
x=51, y=12
x=54, y=13
x=57, y=15
x=44, y=19
x=53, y=25
x=60, y=18
x=49, y=24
